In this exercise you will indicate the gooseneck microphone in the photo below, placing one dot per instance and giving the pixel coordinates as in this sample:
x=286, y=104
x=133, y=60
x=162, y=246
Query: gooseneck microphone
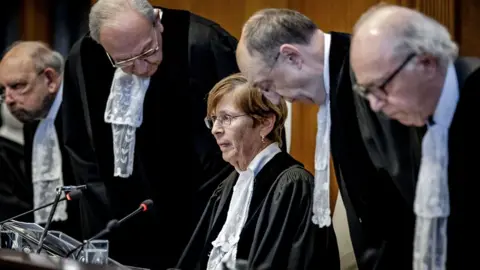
x=144, y=206
x=71, y=196
x=112, y=224
x=59, y=191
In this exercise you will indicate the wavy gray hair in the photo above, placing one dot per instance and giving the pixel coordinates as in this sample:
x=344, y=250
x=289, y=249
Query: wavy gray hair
x=417, y=34
x=103, y=13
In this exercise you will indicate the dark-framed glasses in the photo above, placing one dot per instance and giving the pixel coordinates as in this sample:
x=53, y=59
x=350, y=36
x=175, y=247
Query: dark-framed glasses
x=129, y=62
x=224, y=120
x=365, y=90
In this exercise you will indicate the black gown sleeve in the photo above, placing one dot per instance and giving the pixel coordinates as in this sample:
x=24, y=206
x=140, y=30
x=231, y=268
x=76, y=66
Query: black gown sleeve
x=285, y=236
x=79, y=149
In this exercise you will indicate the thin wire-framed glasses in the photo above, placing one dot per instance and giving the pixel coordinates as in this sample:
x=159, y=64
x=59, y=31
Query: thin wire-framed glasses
x=365, y=90
x=129, y=62
x=224, y=120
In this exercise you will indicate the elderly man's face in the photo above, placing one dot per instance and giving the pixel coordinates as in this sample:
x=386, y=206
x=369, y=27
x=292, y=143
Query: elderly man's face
x=393, y=84
x=28, y=93
x=283, y=79
x=134, y=44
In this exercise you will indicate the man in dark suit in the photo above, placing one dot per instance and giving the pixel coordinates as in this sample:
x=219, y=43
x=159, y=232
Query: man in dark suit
x=31, y=77
x=285, y=54
x=406, y=66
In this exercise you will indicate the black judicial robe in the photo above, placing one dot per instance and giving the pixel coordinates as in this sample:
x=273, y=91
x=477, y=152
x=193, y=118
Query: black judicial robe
x=463, y=174
x=71, y=226
x=376, y=210
x=278, y=233
x=15, y=189
x=177, y=163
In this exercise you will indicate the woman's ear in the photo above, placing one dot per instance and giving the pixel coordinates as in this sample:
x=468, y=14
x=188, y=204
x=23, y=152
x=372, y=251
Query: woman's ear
x=267, y=125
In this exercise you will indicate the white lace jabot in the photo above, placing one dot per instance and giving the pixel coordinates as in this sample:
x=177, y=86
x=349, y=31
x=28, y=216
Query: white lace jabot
x=225, y=245
x=321, y=194
x=47, y=165
x=124, y=111
x=432, y=198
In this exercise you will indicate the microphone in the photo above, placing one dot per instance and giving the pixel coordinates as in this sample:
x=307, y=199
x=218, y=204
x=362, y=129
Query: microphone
x=50, y=217
x=74, y=195
x=144, y=206
x=112, y=224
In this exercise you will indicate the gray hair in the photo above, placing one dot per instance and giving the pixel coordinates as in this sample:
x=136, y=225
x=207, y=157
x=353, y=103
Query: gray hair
x=42, y=56
x=268, y=29
x=415, y=33
x=103, y=13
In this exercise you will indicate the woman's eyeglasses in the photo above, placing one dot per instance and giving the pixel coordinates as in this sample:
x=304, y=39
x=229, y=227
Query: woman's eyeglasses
x=224, y=120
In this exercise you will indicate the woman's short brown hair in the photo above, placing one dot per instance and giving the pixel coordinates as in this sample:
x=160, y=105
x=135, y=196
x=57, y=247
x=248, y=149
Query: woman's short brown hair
x=250, y=100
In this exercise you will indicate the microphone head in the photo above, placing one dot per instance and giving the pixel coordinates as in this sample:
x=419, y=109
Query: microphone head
x=74, y=195
x=112, y=224
x=146, y=205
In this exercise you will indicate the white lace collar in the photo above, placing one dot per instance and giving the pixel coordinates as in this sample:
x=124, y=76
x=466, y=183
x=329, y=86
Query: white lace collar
x=124, y=111
x=225, y=245
x=47, y=164
x=321, y=196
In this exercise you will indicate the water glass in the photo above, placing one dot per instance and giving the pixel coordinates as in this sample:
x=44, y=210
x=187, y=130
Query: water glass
x=96, y=252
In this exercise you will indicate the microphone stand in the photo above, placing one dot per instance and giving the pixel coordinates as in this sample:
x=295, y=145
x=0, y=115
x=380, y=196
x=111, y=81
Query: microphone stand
x=50, y=217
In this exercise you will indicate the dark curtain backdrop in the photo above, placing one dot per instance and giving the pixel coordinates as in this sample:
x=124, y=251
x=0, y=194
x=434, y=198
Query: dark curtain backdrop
x=70, y=22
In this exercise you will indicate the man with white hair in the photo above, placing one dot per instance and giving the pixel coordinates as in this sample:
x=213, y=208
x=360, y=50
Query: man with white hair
x=31, y=77
x=406, y=66
x=134, y=112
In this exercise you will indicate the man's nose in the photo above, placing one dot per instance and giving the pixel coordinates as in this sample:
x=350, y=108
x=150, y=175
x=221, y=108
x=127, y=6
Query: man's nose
x=375, y=103
x=140, y=66
x=8, y=98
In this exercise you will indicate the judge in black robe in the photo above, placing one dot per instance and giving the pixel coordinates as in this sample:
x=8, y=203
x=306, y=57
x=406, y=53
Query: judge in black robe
x=379, y=216
x=278, y=233
x=392, y=142
x=40, y=61
x=376, y=210
x=275, y=231
x=177, y=163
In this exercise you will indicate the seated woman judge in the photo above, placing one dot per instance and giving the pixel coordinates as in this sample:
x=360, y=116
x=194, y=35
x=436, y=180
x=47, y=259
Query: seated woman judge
x=260, y=216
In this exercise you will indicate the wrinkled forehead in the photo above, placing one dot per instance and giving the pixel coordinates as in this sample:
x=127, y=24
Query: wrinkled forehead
x=15, y=68
x=371, y=57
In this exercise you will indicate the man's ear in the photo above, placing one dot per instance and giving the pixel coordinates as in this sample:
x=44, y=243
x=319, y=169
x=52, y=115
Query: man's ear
x=291, y=54
x=52, y=80
x=158, y=19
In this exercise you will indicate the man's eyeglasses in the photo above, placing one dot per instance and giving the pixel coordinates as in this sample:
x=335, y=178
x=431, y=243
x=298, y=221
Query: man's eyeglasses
x=19, y=88
x=129, y=62
x=224, y=120
x=363, y=91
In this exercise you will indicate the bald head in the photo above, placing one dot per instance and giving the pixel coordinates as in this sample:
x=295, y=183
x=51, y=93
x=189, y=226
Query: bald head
x=389, y=30
x=399, y=57
x=30, y=76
